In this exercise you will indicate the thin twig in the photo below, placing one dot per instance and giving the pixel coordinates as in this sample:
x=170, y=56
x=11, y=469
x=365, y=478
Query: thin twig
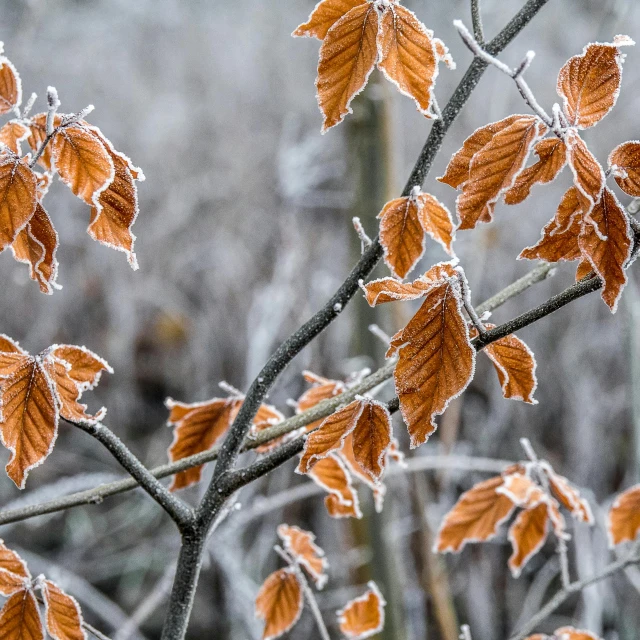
x=476, y=19
x=365, y=240
x=465, y=632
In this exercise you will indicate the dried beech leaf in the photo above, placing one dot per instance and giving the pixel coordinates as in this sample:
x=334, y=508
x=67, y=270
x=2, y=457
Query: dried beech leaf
x=364, y=616
x=559, y=239
x=476, y=516
x=331, y=474
x=521, y=489
x=330, y=435
x=589, y=84
x=569, y=497
x=527, y=535
x=436, y=220
x=552, y=154
x=624, y=161
x=401, y=235
x=607, y=243
x=197, y=427
x=10, y=86
x=83, y=162
x=624, y=516
x=20, y=618
x=17, y=197
x=390, y=290
x=29, y=414
x=63, y=615
x=457, y=172
x=300, y=544
x=9, y=345
x=571, y=633
x=372, y=439
x=408, y=56
x=86, y=367
x=324, y=16
x=14, y=574
x=12, y=134
x=322, y=389
x=279, y=603
x=337, y=509
x=588, y=175
x=347, y=57
x=494, y=168
x=36, y=245
x=436, y=359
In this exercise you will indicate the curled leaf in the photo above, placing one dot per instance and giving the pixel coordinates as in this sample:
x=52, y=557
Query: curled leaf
x=324, y=16
x=624, y=162
x=364, y=616
x=279, y=603
x=301, y=546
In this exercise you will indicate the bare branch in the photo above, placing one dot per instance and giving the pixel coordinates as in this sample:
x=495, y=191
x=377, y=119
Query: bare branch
x=476, y=19
x=365, y=240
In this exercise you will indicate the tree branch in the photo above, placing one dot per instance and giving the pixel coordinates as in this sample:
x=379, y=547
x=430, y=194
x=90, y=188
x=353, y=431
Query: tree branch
x=476, y=18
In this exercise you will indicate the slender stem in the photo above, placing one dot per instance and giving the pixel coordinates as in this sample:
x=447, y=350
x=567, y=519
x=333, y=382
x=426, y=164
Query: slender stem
x=476, y=18
x=179, y=512
x=313, y=605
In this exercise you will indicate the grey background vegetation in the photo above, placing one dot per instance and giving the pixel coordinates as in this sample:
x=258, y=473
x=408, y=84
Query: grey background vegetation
x=244, y=230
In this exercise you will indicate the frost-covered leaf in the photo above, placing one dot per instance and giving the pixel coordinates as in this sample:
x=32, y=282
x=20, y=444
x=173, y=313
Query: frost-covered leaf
x=20, y=618
x=588, y=175
x=10, y=86
x=624, y=162
x=436, y=221
x=568, y=496
x=36, y=245
x=279, y=603
x=364, y=616
x=527, y=535
x=347, y=57
x=552, y=154
x=324, y=16
x=331, y=474
x=494, y=168
x=322, y=389
x=63, y=616
x=606, y=241
x=86, y=367
x=17, y=197
x=476, y=516
x=624, y=516
x=571, y=633
x=14, y=574
x=301, y=546
x=12, y=134
x=589, y=84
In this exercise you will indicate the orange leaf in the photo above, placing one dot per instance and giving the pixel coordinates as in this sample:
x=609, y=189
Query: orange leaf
x=331, y=474
x=14, y=574
x=559, y=239
x=364, y=616
x=552, y=154
x=570, y=633
x=13, y=133
x=300, y=544
x=197, y=427
x=624, y=516
x=624, y=161
x=10, y=86
x=63, y=615
x=401, y=235
x=268, y=416
x=589, y=84
x=521, y=489
x=17, y=197
x=372, y=438
x=583, y=270
x=606, y=240
x=588, y=175
x=279, y=603
x=475, y=517
x=36, y=245
x=436, y=359
x=457, y=172
x=494, y=168
x=20, y=618
x=390, y=290
x=322, y=389
x=29, y=414
x=527, y=535
x=85, y=366
x=83, y=162
x=569, y=496
x=347, y=57
x=324, y=16
x=436, y=220
x=408, y=56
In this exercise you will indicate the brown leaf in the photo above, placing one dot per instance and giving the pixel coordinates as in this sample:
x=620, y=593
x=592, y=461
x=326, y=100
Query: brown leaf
x=476, y=516
x=63, y=615
x=301, y=546
x=17, y=197
x=494, y=168
x=552, y=154
x=527, y=535
x=436, y=359
x=408, y=57
x=624, y=162
x=347, y=57
x=29, y=414
x=267, y=416
x=86, y=367
x=36, y=245
x=20, y=618
x=390, y=290
x=568, y=496
x=10, y=86
x=401, y=235
x=372, y=438
x=364, y=616
x=197, y=427
x=83, y=162
x=521, y=489
x=606, y=240
x=588, y=175
x=13, y=133
x=571, y=633
x=331, y=474
x=279, y=603
x=436, y=220
x=583, y=270
x=624, y=516
x=457, y=172
x=559, y=239
x=589, y=84
x=14, y=574
x=324, y=16
x=322, y=389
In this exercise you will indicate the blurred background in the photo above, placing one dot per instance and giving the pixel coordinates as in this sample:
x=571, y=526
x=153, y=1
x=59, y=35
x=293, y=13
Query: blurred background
x=244, y=231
